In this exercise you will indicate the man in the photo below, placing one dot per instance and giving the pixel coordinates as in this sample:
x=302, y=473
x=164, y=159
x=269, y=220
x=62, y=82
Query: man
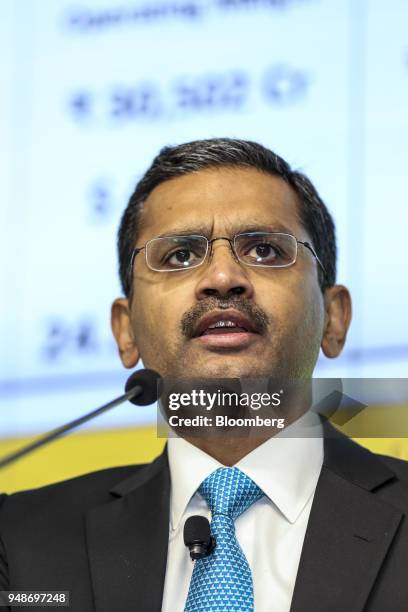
x=228, y=266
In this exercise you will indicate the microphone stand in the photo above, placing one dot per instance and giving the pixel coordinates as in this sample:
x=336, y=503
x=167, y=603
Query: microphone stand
x=63, y=429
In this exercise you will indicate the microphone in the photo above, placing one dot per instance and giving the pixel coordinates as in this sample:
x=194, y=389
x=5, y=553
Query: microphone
x=198, y=538
x=144, y=384
x=141, y=389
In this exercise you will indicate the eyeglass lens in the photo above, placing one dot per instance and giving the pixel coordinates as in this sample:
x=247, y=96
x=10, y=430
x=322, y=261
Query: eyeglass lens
x=254, y=249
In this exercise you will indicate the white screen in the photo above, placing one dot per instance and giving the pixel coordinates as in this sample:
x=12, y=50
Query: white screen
x=93, y=90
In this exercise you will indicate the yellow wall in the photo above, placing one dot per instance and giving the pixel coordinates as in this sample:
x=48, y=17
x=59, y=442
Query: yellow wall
x=78, y=454
x=88, y=451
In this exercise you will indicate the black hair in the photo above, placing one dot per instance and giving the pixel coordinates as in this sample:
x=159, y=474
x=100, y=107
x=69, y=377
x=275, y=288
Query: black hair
x=178, y=160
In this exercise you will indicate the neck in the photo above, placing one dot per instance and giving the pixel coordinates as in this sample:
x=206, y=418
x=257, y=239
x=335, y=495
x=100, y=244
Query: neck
x=227, y=451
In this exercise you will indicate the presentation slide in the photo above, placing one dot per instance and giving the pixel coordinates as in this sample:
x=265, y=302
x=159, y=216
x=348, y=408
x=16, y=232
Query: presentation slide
x=91, y=92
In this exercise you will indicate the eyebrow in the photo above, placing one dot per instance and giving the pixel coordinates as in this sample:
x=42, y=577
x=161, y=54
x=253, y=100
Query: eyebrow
x=202, y=230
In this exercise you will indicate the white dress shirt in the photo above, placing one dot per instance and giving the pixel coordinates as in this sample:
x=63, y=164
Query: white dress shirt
x=270, y=532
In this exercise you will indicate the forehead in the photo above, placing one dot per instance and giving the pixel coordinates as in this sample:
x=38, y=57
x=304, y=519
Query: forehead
x=220, y=200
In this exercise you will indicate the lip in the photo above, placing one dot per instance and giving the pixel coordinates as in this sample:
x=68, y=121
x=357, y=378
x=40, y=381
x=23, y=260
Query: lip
x=224, y=315
x=228, y=340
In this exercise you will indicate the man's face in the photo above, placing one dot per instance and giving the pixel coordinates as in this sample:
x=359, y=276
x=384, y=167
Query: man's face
x=284, y=306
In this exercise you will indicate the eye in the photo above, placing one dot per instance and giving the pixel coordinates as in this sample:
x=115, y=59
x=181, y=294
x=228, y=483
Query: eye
x=184, y=256
x=180, y=258
x=264, y=252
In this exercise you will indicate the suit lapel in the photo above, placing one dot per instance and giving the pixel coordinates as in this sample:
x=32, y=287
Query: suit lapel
x=349, y=530
x=127, y=542
x=349, y=533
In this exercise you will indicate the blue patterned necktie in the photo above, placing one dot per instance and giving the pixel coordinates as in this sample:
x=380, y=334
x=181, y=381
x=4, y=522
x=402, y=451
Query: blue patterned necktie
x=222, y=581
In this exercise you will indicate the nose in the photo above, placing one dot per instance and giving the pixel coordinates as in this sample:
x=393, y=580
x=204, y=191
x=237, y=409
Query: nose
x=222, y=274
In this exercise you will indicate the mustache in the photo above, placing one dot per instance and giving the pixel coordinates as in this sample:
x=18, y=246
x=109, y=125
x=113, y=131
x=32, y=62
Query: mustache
x=256, y=315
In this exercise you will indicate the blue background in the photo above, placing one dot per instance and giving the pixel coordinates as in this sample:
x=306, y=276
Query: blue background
x=92, y=90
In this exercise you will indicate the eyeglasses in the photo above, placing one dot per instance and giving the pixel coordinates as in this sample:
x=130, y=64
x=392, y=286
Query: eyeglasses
x=260, y=249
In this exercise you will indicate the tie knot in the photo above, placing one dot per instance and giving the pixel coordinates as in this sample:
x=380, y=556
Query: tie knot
x=229, y=491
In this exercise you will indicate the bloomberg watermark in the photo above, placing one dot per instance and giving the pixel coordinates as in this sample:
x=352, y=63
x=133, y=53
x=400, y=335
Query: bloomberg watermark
x=362, y=408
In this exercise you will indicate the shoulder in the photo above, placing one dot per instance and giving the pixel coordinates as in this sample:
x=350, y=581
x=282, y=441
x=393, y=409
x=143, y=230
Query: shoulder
x=75, y=494
x=394, y=490
x=382, y=476
x=398, y=466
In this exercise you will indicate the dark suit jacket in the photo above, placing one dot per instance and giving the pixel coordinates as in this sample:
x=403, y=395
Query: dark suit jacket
x=103, y=537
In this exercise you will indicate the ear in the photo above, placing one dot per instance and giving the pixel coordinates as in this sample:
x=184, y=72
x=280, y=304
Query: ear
x=123, y=332
x=337, y=301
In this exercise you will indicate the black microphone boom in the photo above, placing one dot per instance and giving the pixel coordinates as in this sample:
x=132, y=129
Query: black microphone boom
x=142, y=388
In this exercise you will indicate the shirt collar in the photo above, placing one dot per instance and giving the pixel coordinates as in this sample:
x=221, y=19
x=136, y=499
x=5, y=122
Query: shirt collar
x=189, y=466
x=285, y=467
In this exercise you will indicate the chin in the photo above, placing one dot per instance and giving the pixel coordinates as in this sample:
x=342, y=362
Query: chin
x=231, y=370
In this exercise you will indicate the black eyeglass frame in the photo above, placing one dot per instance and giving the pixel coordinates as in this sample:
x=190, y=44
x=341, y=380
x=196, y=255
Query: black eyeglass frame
x=231, y=241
